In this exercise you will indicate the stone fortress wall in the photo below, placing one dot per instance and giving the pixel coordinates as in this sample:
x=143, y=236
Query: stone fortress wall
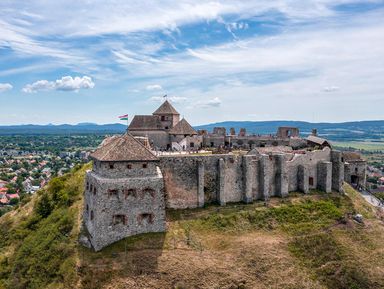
x=192, y=181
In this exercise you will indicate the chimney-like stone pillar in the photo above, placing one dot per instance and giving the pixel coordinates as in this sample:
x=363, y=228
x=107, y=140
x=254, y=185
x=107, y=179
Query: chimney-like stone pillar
x=281, y=176
x=248, y=173
x=265, y=172
x=324, y=176
x=221, y=176
x=302, y=179
x=200, y=184
x=337, y=171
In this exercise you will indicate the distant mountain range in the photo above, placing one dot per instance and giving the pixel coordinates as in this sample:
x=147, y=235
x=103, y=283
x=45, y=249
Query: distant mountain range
x=335, y=131
x=80, y=128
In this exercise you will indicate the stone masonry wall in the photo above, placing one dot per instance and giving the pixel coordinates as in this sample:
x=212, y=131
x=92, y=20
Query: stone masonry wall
x=309, y=168
x=116, y=208
x=192, y=181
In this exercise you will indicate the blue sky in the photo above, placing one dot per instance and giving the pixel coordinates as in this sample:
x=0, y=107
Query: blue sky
x=90, y=61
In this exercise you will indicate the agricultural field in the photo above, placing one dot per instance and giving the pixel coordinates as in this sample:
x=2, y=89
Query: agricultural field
x=361, y=145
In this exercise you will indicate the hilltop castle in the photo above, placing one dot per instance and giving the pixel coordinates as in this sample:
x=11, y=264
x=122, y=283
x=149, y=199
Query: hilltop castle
x=129, y=187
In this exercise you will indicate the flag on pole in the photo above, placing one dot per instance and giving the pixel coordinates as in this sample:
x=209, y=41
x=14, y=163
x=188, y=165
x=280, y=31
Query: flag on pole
x=123, y=117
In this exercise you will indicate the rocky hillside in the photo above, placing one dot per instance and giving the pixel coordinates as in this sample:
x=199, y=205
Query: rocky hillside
x=298, y=242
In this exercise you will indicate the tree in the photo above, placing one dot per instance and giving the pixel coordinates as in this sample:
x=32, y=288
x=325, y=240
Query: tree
x=44, y=206
x=14, y=201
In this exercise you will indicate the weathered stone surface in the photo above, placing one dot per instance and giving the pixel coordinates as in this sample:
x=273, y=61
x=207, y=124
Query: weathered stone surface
x=264, y=174
x=324, y=175
x=281, y=176
x=337, y=171
x=248, y=172
x=221, y=176
x=302, y=179
x=117, y=207
x=200, y=180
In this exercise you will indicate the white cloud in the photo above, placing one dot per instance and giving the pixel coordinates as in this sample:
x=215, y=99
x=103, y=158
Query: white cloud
x=154, y=87
x=66, y=83
x=5, y=87
x=38, y=86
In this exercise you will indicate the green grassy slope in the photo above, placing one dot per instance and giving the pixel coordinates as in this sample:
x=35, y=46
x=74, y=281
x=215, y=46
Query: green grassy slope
x=38, y=242
x=299, y=242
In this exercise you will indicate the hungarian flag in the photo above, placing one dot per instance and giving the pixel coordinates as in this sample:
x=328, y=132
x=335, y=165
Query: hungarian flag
x=123, y=117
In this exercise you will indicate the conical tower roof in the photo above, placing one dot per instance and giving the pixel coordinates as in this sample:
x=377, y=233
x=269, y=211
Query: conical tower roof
x=183, y=127
x=166, y=108
x=122, y=148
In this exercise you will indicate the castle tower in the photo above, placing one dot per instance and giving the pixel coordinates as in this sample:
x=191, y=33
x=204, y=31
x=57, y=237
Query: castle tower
x=124, y=193
x=168, y=115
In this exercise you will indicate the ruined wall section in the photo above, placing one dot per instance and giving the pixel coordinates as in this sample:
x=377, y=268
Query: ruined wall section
x=187, y=178
x=302, y=169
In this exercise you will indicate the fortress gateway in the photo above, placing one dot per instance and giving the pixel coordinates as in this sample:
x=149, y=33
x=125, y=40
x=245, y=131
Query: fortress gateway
x=129, y=187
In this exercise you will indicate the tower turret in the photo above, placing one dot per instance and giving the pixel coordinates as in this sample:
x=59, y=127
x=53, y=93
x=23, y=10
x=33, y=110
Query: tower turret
x=168, y=115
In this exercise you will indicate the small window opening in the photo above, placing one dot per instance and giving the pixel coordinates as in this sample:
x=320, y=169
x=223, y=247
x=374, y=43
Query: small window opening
x=119, y=219
x=310, y=181
x=145, y=166
x=162, y=118
x=92, y=215
x=145, y=218
x=87, y=208
x=356, y=170
x=192, y=145
x=113, y=193
x=130, y=193
x=129, y=166
x=94, y=190
x=149, y=191
x=111, y=166
x=87, y=187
